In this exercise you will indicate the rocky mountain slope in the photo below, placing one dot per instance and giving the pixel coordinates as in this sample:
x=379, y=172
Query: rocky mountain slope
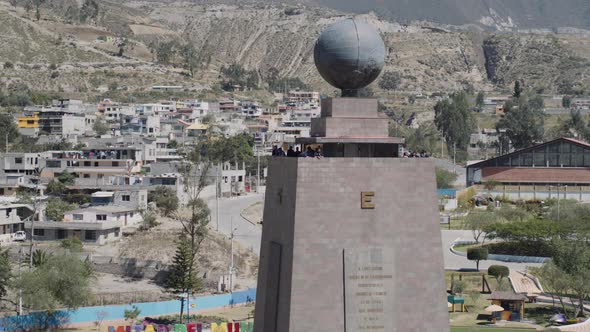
x=260, y=37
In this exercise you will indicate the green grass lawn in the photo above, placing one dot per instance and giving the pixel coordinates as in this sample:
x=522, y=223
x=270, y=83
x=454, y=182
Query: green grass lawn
x=487, y=329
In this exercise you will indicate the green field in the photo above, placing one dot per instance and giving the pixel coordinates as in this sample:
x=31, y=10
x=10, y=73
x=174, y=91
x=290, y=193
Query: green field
x=487, y=329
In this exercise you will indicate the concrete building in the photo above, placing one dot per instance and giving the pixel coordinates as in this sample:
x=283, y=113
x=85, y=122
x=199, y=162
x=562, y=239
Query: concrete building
x=96, y=225
x=558, y=168
x=28, y=124
x=296, y=96
x=12, y=217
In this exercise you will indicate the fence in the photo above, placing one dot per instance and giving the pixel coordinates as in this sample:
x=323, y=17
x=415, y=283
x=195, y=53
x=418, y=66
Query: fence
x=114, y=312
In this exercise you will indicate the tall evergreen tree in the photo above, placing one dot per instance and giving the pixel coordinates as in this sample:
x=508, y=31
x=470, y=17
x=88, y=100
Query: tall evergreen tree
x=517, y=89
x=182, y=278
x=524, y=121
x=454, y=119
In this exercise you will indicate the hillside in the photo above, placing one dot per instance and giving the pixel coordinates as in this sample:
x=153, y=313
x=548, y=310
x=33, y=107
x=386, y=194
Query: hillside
x=59, y=53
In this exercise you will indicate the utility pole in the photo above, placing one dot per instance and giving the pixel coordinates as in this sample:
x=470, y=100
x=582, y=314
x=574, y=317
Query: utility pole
x=6, y=142
x=455, y=158
x=231, y=264
x=20, y=290
x=258, y=171
x=558, y=203
x=217, y=193
x=188, y=305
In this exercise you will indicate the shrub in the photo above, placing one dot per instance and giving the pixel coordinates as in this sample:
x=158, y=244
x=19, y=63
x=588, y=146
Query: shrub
x=477, y=254
x=499, y=271
x=165, y=198
x=72, y=244
x=8, y=65
x=458, y=287
x=54, y=74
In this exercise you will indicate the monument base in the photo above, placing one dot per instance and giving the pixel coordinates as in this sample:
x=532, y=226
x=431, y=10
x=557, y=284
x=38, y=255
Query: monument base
x=351, y=244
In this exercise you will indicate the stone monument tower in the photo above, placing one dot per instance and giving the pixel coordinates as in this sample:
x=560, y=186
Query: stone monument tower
x=351, y=240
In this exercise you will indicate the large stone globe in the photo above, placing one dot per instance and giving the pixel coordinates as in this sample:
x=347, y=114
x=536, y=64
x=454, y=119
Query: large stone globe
x=349, y=54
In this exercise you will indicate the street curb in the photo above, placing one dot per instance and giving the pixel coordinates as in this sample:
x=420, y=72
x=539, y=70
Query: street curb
x=501, y=258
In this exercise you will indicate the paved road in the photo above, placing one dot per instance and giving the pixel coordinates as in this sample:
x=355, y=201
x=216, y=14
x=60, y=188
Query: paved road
x=247, y=234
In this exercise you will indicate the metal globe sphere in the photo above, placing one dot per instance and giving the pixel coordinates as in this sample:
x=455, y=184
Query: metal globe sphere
x=349, y=54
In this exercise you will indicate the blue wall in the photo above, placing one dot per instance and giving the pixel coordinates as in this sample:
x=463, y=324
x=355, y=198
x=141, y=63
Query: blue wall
x=88, y=314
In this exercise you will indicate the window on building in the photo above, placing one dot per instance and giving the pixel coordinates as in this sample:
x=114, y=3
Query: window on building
x=39, y=232
x=126, y=198
x=86, y=176
x=117, y=232
x=240, y=178
x=78, y=216
x=90, y=235
x=87, y=164
x=540, y=159
x=61, y=234
x=131, y=214
x=554, y=160
x=115, y=163
x=18, y=160
x=96, y=164
x=527, y=160
x=101, y=217
x=53, y=164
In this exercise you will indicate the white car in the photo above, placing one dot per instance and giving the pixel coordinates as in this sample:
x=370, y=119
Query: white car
x=20, y=236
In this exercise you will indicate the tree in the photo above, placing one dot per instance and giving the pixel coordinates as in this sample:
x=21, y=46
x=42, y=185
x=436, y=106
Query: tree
x=566, y=102
x=62, y=282
x=165, y=198
x=38, y=4
x=132, y=313
x=89, y=10
x=573, y=126
x=8, y=130
x=149, y=219
x=523, y=121
x=423, y=138
x=517, y=89
x=573, y=258
x=477, y=254
x=390, y=80
x=454, y=119
x=479, y=222
x=8, y=65
x=100, y=127
x=490, y=185
x=14, y=3
x=555, y=281
x=72, y=244
x=190, y=57
x=499, y=272
x=5, y=272
x=66, y=177
x=40, y=257
x=445, y=179
x=480, y=99
x=182, y=278
x=56, y=208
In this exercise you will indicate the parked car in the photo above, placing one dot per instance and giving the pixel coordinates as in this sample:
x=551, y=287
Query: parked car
x=20, y=236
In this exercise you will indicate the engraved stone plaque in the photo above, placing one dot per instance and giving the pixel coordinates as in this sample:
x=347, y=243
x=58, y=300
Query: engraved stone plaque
x=369, y=286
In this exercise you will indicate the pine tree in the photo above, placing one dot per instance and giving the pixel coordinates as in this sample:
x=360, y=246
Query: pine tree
x=517, y=89
x=182, y=278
